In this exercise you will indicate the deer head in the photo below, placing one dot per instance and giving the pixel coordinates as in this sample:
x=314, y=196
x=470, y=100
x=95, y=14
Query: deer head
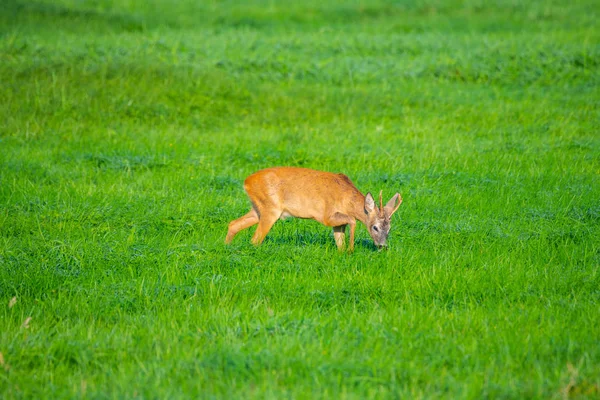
x=378, y=218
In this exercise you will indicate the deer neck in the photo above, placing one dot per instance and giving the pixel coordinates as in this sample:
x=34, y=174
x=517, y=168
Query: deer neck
x=358, y=207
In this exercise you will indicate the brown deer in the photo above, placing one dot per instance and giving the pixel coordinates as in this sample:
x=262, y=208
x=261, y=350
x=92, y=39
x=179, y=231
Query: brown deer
x=332, y=199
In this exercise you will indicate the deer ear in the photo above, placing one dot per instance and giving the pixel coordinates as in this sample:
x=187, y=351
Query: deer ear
x=392, y=205
x=369, y=203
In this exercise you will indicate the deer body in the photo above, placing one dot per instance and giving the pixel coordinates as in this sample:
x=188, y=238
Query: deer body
x=331, y=199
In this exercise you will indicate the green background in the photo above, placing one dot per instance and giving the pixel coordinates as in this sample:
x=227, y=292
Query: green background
x=128, y=128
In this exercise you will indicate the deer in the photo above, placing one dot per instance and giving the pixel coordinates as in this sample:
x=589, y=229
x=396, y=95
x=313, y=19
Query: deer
x=329, y=198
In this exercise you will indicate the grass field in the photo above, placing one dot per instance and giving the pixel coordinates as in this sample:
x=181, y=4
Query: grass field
x=128, y=128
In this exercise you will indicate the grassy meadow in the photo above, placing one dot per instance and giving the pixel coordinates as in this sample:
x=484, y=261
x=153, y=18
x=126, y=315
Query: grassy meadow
x=128, y=127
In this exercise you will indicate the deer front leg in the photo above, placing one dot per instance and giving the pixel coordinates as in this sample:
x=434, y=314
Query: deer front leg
x=352, y=228
x=337, y=220
x=339, y=234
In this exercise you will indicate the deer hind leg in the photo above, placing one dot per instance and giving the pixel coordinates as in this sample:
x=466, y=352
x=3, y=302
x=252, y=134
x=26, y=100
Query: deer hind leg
x=265, y=223
x=339, y=234
x=267, y=204
x=251, y=218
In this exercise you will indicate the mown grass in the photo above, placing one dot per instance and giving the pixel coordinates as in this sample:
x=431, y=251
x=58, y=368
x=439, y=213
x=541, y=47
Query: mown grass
x=128, y=128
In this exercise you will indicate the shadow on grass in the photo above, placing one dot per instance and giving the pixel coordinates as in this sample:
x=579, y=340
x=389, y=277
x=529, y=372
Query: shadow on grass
x=304, y=239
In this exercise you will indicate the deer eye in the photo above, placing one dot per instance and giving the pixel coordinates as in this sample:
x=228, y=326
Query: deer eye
x=376, y=229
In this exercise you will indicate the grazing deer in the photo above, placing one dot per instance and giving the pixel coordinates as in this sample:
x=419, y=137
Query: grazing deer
x=331, y=199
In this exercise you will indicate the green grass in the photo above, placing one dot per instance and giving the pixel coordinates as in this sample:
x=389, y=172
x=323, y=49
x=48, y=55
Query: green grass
x=128, y=128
